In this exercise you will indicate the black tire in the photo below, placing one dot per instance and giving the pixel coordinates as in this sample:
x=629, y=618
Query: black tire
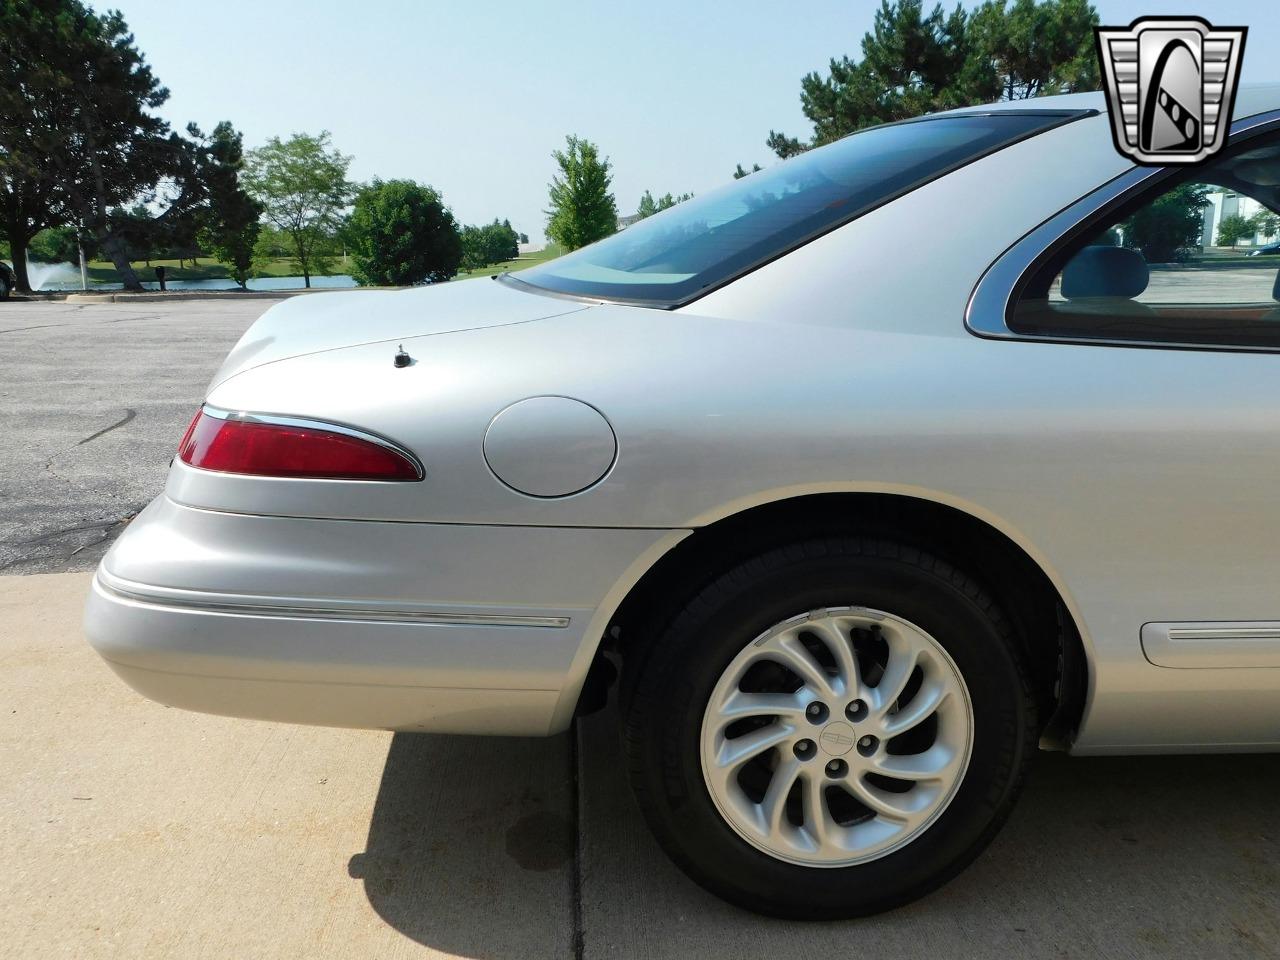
x=4, y=289
x=663, y=719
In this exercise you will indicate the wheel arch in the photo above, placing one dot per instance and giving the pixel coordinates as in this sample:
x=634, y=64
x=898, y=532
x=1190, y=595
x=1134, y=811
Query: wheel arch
x=1048, y=627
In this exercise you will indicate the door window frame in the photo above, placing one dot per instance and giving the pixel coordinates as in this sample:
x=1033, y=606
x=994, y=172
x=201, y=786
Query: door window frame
x=1001, y=285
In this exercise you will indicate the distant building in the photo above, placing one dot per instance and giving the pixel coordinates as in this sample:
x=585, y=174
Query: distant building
x=624, y=222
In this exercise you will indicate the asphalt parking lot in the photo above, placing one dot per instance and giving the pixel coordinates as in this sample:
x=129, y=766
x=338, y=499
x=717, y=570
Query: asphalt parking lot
x=95, y=399
x=128, y=829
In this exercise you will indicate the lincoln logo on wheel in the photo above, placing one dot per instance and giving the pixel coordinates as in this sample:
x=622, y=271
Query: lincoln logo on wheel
x=834, y=740
x=1171, y=85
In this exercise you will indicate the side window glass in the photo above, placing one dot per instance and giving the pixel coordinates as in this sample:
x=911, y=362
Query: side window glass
x=1198, y=263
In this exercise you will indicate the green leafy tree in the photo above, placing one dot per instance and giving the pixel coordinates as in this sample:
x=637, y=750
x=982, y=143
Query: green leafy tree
x=303, y=188
x=332, y=245
x=273, y=243
x=494, y=243
x=915, y=62
x=59, y=245
x=78, y=135
x=1234, y=228
x=230, y=224
x=649, y=206
x=739, y=172
x=1266, y=223
x=583, y=209
x=30, y=199
x=402, y=234
x=1166, y=228
x=474, y=252
x=503, y=241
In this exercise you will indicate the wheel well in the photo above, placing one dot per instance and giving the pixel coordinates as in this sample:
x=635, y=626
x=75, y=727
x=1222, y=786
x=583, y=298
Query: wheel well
x=1051, y=644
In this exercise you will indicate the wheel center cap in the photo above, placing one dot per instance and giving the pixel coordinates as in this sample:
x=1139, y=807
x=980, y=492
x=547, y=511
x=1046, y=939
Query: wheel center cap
x=836, y=739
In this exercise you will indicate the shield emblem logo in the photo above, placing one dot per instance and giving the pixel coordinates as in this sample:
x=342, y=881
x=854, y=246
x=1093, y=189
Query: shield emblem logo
x=1171, y=86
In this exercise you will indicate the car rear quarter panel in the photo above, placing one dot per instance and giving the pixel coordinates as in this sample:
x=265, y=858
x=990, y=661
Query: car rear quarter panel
x=1140, y=480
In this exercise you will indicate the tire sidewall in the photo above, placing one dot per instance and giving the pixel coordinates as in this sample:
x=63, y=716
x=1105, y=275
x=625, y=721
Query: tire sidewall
x=711, y=634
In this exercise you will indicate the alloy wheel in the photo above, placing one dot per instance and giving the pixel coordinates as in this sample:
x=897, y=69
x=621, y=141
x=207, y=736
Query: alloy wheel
x=836, y=737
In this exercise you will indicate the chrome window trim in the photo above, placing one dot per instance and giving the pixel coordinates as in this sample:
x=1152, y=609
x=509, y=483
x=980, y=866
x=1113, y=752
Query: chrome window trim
x=293, y=609
x=986, y=314
x=307, y=423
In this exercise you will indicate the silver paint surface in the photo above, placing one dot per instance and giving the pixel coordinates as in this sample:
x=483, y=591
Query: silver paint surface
x=550, y=446
x=1140, y=480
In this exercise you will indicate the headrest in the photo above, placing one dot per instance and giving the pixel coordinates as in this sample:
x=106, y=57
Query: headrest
x=1275, y=287
x=1105, y=272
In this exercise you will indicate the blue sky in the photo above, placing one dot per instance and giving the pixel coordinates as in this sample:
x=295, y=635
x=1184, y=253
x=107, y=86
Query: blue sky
x=472, y=98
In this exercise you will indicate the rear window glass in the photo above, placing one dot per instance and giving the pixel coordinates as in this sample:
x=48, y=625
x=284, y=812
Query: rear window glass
x=685, y=251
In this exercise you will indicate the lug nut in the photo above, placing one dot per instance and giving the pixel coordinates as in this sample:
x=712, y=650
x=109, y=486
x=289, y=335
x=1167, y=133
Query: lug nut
x=804, y=749
x=837, y=768
x=856, y=710
x=867, y=745
x=816, y=712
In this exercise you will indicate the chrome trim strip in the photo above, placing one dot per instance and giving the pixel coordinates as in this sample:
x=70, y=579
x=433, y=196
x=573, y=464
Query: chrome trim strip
x=1226, y=633
x=291, y=609
x=1191, y=645
x=992, y=298
x=288, y=420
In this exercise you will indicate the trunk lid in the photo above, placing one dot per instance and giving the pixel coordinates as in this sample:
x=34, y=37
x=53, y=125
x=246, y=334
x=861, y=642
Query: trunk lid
x=314, y=323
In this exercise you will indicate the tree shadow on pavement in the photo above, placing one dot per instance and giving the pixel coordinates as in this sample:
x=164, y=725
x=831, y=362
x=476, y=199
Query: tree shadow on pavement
x=470, y=847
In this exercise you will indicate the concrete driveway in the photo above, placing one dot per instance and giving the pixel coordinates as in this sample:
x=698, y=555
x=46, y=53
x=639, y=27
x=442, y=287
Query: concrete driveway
x=128, y=829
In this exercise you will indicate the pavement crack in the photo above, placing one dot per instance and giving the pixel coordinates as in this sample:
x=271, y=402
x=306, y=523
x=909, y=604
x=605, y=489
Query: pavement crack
x=129, y=414
x=42, y=326
x=77, y=528
x=48, y=468
x=106, y=530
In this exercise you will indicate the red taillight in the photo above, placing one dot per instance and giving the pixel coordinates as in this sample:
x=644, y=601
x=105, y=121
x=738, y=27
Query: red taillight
x=266, y=449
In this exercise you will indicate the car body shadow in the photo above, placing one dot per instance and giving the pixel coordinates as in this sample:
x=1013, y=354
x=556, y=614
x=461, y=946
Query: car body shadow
x=1134, y=857
x=470, y=847
x=471, y=851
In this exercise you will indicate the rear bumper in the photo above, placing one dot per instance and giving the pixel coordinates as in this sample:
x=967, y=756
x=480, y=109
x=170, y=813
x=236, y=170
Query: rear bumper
x=402, y=626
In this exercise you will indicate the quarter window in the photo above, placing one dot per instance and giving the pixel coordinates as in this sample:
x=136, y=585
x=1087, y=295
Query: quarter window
x=1197, y=263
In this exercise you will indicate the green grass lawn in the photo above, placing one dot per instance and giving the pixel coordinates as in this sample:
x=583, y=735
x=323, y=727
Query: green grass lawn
x=529, y=260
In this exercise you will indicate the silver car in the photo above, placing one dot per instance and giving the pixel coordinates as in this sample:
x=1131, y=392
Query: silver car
x=871, y=473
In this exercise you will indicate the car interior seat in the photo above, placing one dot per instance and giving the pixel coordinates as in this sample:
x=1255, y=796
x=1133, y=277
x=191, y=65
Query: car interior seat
x=1105, y=280
x=1273, y=315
